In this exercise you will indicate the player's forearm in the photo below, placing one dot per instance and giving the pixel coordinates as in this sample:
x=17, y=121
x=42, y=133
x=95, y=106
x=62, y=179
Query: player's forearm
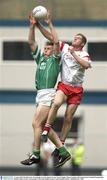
x=54, y=33
x=31, y=38
x=55, y=39
x=45, y=32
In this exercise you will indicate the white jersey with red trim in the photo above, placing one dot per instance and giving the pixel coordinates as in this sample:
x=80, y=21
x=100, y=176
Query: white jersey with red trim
x=72, y=72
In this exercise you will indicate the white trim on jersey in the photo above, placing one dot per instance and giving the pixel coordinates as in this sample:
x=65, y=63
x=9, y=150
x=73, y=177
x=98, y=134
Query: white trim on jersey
x=36, y=53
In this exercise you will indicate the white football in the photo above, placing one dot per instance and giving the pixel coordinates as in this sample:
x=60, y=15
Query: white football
x=39, y=12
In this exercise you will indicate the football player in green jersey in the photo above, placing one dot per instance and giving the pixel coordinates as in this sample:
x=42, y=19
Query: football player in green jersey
x=48, y=66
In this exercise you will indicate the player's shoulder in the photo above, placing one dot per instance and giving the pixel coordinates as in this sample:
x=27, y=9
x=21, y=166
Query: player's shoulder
x=84, y=52
x=63, y=45
x=36, y=51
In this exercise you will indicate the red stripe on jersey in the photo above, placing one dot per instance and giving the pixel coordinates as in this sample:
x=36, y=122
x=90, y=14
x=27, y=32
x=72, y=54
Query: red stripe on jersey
x=88, y=57
x=61, y=45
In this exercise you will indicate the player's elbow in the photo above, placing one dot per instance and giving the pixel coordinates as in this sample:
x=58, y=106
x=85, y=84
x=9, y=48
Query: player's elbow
x=88, y=65
x=31, y=44
x=51, y=38
x=56, y=42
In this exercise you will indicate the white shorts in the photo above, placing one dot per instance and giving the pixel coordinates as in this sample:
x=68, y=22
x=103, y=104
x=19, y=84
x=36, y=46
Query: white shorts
x=45, y=96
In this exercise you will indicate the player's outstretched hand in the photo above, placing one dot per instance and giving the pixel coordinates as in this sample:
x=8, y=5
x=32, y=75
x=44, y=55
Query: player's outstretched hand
x=32, y=19
x=48, y=18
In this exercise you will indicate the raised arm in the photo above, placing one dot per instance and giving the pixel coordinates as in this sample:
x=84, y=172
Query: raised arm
x=44, y=31
x=54, y=34
x=31, y=38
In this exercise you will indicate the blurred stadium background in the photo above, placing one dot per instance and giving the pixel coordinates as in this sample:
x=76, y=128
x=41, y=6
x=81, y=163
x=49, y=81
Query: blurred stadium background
x=17, y=88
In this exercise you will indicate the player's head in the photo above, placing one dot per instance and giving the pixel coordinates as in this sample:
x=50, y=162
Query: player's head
x=79, y=41
x=48, y=48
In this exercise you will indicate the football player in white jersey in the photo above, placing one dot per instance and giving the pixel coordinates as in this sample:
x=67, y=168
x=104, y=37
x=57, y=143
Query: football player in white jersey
x=70, y=90
x=74, y=63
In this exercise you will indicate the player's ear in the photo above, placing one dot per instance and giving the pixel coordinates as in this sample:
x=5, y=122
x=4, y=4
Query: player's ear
x=82, y=44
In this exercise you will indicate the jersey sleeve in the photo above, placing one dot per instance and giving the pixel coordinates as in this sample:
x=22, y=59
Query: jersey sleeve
x=36, y=54
x=63, y=47
x=86, y=57
x=61, y=43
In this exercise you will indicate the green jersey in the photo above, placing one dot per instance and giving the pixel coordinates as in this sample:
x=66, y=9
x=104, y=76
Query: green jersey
x=47, y=70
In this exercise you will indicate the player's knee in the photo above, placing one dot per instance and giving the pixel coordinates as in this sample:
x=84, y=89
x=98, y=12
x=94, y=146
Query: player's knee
x=33, y=125
x=68, y=119
x=56, y=104
x=38, y=124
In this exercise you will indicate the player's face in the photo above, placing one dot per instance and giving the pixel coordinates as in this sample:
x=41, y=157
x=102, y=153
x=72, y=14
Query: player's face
x=48, y=50
x=77, y=42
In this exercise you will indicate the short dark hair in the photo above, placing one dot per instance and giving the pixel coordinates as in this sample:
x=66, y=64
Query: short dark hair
x=84, y=39
x=49, y=43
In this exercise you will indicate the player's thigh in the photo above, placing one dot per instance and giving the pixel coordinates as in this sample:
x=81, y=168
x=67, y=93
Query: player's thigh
x=70, y=110
x=41, y=114
x=60, y=97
